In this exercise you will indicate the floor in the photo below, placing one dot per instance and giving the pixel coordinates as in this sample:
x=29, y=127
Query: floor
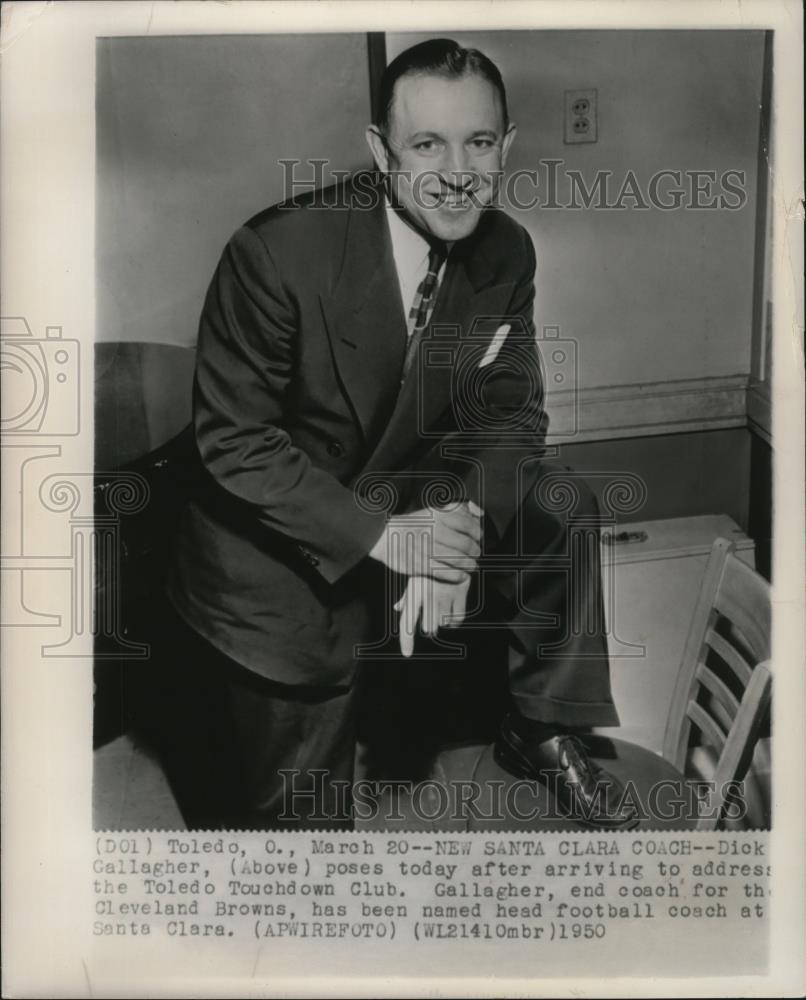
x=130, y=791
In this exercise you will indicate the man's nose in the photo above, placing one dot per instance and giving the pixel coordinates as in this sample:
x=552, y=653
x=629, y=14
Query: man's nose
x=456, y=168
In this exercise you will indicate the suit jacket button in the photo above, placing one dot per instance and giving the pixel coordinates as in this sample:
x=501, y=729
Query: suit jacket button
x=335, y=448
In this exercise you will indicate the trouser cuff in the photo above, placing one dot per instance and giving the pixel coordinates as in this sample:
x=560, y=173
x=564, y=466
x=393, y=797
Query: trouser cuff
x=574, y=714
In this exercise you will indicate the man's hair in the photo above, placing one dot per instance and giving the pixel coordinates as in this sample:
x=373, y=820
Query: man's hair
x=437, y=57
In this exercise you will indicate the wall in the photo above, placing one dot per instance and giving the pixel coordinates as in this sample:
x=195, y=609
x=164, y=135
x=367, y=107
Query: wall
x=649, y=295
x=189, y=132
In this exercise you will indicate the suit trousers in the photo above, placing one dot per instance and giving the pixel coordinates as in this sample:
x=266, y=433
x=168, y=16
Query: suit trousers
x=243, y=752
x=546, y=579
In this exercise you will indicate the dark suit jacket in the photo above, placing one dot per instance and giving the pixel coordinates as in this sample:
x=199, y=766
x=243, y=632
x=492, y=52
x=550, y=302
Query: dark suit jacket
x=301, y=424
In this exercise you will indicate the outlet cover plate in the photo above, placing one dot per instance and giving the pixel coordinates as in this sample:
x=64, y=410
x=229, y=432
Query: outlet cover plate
x=581, y=116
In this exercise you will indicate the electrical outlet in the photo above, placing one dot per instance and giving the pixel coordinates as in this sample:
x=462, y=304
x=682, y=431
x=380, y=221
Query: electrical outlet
x=581, y=116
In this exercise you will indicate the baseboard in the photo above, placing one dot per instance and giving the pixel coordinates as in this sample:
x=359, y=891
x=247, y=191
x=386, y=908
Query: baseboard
x=759, y=410
x=648, y=408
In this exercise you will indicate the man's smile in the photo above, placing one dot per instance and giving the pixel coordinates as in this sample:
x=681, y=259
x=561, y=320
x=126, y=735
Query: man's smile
x=453, y=201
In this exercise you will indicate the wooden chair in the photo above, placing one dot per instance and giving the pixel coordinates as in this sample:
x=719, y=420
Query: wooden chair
x=724, y=686
x=720, y=706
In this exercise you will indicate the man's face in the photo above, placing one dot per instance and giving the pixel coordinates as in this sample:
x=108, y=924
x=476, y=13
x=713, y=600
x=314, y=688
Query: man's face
x=445, y=143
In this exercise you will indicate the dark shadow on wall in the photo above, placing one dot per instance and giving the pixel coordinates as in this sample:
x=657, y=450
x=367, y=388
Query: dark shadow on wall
x=761, y=506
x=706, y=472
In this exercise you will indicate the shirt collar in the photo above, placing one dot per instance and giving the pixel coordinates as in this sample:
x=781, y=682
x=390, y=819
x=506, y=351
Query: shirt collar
x=409, y=248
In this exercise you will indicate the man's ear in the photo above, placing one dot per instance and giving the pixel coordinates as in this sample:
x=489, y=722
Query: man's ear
x=377, y=147
x=509, y=138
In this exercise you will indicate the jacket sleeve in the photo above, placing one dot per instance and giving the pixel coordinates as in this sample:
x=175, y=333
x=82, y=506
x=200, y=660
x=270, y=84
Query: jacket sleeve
x=244, y=367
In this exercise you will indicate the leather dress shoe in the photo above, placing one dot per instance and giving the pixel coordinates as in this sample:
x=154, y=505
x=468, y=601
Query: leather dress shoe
x=583, y=791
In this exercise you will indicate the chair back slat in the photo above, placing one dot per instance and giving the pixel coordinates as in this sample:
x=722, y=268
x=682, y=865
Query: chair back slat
x=725, y=704
x=707, y=725
x=730, y=655
x=743, y=598
x=753, y=633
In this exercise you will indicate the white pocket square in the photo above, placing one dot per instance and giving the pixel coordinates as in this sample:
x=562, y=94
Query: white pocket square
x=496, y=344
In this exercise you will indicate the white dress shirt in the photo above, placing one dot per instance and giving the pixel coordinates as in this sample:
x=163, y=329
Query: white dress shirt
x=410, y=252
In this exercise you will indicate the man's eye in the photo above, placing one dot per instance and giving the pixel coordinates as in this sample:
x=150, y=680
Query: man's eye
x=426, y=146
x=482, y=144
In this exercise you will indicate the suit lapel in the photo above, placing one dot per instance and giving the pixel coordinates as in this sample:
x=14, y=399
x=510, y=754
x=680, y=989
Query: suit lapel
x=366, y=322
x=467, y=294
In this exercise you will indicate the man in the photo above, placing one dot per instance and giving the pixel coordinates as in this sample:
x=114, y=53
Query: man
x=333, y=364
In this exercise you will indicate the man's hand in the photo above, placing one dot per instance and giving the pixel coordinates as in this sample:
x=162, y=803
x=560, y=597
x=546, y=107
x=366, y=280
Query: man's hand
x=436, y=542
x=432, y=602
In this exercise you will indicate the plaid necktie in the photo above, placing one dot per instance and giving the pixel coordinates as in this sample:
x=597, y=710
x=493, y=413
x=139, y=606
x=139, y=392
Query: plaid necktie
x=422, y=306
